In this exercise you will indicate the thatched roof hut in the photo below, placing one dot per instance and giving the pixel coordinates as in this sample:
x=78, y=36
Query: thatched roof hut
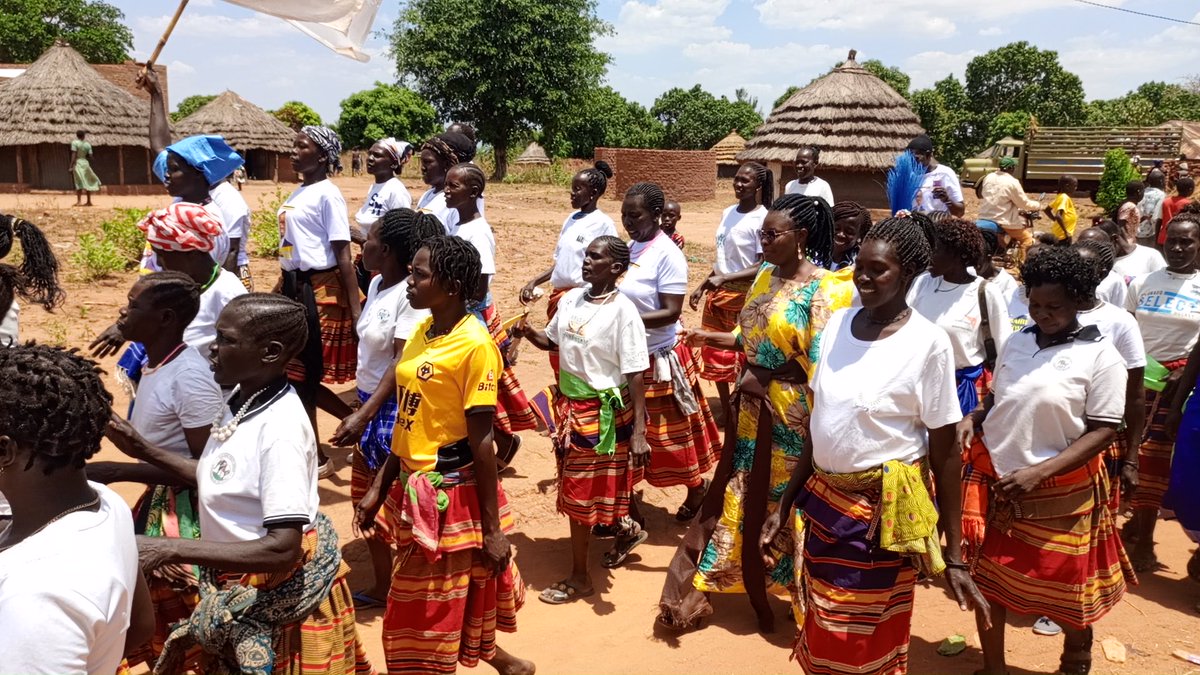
x=855, y=119
x=727, y=150
x=56, y=96
x=263, y=140
x=534, y=154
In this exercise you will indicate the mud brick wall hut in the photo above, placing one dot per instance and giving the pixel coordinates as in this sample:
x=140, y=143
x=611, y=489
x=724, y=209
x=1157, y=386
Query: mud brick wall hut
x=263, y=140
x=859, y=123
x=683, y=174
x=727, y=150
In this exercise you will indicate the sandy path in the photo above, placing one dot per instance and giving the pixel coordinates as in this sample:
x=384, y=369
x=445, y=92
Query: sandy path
x=612, y=631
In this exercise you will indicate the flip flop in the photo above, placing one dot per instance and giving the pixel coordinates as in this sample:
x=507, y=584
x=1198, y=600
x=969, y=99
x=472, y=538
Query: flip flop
x=685, y=512
x=561, y=592
x=615, y=556
x=364, y=601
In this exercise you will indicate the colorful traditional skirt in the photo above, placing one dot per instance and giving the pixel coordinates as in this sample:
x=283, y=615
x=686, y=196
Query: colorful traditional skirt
x=721, y=309
x=682, y=447
x=1054, y=553
x=857, y=597
x=445, y=606
x=1113, y=456
x=513, y=410
x=335, y=354
x=1183, y=496
x=593, y=488
x=552, y=309
x=1154, y=454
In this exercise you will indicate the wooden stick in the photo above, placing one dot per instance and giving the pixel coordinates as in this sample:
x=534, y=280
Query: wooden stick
x=162, y=41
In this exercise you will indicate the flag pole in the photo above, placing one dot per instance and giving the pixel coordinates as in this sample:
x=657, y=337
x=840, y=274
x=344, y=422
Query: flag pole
x=162, y=41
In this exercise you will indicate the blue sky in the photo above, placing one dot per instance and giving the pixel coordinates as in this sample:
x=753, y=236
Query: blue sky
x=762, y=45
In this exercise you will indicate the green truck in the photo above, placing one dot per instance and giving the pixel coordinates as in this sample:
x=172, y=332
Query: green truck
x=1049, y=152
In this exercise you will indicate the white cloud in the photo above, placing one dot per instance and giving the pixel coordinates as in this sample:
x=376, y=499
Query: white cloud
x=215, y=25
x=991, y=31
x=644, y=27
x=180, y=68
x=926, y=68
x=1109, y=68
x=721, y=66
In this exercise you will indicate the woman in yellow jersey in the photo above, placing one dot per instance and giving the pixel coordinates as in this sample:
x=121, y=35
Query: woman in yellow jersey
x=454, y=583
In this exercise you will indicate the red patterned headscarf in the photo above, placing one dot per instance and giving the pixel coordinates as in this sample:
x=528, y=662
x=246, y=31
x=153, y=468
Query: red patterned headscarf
x=182, y=226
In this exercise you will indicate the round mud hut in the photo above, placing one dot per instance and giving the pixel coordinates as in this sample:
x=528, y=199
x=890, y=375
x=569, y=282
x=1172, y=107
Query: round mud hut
x=727, y=150
x=264, y=141
x=859, y=123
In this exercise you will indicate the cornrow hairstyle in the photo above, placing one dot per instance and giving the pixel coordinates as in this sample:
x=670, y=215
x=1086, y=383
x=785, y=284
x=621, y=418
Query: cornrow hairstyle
x=846, y=209
x=616, y=248
x=813, y=150
x=271, y=317
x=813, y=215
x=766, y=182
x=908, y=238
x=651, y=193
x=926, y=224
x=935, y=217
x=1187, y=215
x=175, y=291
x=597, y=176
x=1111, y=228
x=36, y=279
x=56, y=405
x=475, y=177
x=1105, y=255
x=451, y=148
x=1064, y=266
x=454, y=260
x=961, y=238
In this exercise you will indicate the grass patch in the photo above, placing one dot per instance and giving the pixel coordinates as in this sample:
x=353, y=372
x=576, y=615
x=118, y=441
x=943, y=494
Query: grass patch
x=264, y=225
x=97, y=257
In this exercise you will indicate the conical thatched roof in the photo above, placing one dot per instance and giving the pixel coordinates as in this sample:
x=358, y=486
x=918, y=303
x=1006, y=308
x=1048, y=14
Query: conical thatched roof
x=244, y=125
x=534, y=154
x=60, y=94
x=858, y=122
x=727, y=148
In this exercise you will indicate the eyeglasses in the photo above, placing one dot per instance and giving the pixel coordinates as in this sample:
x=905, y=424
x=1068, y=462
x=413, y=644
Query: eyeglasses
x=768, y=236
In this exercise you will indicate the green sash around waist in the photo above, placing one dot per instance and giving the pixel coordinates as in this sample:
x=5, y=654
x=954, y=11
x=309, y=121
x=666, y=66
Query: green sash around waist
x=577, y=390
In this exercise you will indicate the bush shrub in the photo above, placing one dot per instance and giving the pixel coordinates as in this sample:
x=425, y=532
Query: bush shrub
x=1118, y=171
x=264, y=225
x=555, y=174
x=97, y=258
x=123, y=233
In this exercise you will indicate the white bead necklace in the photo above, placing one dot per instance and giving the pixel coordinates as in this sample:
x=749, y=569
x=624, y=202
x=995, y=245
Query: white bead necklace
x=222, y=432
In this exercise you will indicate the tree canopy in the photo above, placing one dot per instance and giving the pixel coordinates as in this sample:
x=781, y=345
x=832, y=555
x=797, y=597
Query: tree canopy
x=190, y=105
x=1150, y=104
x=93, y=28
x=383, y=111
x=694, y=119
x=602, y=118
x=296, y=114
x=505, y=66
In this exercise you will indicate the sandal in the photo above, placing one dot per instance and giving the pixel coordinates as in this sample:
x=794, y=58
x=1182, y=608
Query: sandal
x=364, y=601
x=562, y=592
x=1144, y=562
x=1077, y=659
x=686, y=511
x=620, y=551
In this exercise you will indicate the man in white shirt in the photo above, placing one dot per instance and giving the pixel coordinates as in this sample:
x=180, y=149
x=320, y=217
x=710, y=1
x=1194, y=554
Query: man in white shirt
x=807, y=183
x=941, y=190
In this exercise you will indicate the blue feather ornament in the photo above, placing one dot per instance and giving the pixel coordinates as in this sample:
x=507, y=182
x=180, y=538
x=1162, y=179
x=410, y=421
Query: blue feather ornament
x=903, y=181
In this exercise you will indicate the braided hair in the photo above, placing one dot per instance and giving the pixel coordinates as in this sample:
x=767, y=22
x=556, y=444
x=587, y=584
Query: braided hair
x=766, y=182
x=36, y=279
x=813, y=215
x=451, y=148
x=175, y=291
x=402, y=230
x=475, y=177
x=597, y=176
x=845, y=210
x=56, y=405
x=271, y=317
x=908, y=239
x=1105, y=255
x=1064, y=266
x=616, y=248
x=923, y=221
x=961, y=238
x=454, y=260
x=651, y=193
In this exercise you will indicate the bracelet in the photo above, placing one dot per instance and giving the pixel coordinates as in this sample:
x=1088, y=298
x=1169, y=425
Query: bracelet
x=1129, y=462
x=958, y=566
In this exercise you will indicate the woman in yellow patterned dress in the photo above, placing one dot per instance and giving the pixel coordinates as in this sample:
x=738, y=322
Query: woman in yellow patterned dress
x=778, y=330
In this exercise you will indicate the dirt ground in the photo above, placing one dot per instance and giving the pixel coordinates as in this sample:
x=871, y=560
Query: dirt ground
x=612, y=631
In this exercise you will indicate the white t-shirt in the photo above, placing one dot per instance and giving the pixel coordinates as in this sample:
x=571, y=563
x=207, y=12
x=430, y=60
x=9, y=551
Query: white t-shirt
x=1044, y=397
x=955, y=309
x=479, y=234
x=178, y=395
x=1142, y=260
x=381, y=198
x=386, y=317
x=1007, y=285
x=815, y=187
x=1119, y=328
x=1112, y=289
x=266, y=473
x=1167, y=308
x=203, y=329
x=66, y=593
x=599, y=343
x=435, y=203
x=738, y=245
x=872, y=401
x=309, y=222
x=10, y=325
x=236, y=215
x=656, y=266
x=945, y=177
x=578, y=232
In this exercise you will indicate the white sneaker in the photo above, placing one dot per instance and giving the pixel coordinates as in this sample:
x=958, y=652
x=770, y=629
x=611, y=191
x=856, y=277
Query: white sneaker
x=1044, y=626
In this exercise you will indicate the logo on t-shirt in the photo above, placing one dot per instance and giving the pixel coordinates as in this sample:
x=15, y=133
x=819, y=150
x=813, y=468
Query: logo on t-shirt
x=223, y=468
x=425, y=371
x=1061, y=362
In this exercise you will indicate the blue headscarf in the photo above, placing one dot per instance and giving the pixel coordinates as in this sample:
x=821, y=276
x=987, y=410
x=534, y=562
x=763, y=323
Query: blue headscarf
x=211, y=155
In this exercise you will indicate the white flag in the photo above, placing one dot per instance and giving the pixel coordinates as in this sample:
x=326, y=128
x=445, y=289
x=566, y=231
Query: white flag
x=341, y=25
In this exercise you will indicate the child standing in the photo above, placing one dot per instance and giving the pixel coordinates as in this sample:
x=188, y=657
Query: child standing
x=1062, y=210
x=670, y=218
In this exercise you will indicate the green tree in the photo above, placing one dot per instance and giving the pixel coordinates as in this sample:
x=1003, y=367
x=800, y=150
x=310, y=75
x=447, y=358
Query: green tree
x=894, y=77
x=1019, y=76
x=386, y=110
x=1118, y=171
x=506, y=66
x=943, y=112
x=785, y=96
x=1150, y=104
x=190, y=105
x=602, y=118
x=694, y=119
x=296, y=114
x=94, y=29
x=1015, y=124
